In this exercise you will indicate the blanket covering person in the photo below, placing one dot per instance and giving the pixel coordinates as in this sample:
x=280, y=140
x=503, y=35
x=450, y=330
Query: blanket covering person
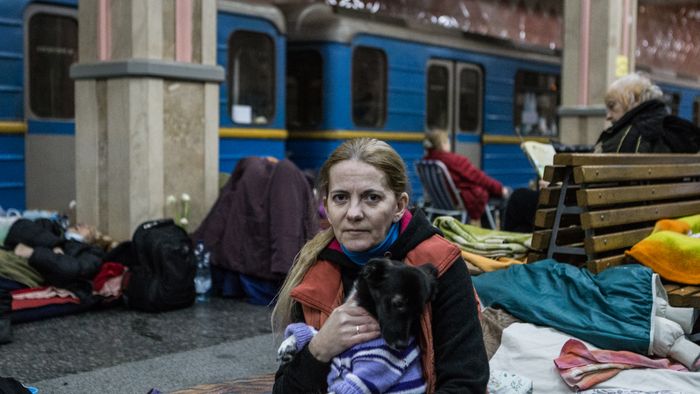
x=672, y=250
x=621, y=308
x=262, y=217
x=369, y=367
x=619, y=301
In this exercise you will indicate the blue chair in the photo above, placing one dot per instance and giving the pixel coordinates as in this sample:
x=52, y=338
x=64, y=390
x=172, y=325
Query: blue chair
x=442, y=194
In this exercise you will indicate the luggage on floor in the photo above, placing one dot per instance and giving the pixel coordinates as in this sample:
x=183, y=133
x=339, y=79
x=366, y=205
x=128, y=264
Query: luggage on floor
x=162, y=277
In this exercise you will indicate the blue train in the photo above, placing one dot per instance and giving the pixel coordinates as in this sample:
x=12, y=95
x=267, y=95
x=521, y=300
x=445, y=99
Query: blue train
x=300, y=79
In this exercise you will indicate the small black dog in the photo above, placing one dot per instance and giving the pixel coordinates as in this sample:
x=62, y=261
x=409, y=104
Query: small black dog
x=395, y=294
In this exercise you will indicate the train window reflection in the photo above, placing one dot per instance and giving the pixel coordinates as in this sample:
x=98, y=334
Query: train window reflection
x=469, y=99
x=368, y=87
x=251, y=77
x=536, y=102
x=673, y=100
x=438, y=97
x=52, y=48
x=304, y=89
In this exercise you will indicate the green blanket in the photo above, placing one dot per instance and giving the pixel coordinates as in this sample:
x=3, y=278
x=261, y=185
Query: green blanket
x=484, y=242
x=18, y=269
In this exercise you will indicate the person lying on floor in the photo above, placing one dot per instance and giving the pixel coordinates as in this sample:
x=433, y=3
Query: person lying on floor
x=66, y=260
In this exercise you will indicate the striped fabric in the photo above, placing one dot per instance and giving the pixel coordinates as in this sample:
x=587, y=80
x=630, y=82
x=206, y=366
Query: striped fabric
x=369, y=367
x=373, y=367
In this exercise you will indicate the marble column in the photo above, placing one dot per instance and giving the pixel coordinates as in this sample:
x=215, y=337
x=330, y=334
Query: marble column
x=146, y=111
x=599, y=41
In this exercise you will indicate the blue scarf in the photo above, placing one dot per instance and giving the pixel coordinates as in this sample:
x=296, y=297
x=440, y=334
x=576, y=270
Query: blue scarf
x=361, y=258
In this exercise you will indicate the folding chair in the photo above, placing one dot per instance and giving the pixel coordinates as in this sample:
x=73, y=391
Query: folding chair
x=444, y=196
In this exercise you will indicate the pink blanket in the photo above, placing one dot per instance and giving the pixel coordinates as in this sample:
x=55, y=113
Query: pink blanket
x=582, y=368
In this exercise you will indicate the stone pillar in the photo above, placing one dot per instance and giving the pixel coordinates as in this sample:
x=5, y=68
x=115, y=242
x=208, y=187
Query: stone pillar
x=599, y=42
x=146, y=111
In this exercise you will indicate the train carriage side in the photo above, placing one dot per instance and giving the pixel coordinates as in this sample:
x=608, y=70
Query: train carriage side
x=37, y=102
x=251, y=47
x=12, y=125
x=682, y=97
x=349, y=77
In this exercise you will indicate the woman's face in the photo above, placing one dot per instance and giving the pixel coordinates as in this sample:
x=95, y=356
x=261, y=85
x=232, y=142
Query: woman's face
x=360, y=205
x=613, y=111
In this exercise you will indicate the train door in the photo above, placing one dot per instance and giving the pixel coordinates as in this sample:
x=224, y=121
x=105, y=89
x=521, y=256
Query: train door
x=50, y=47
x=454, y=99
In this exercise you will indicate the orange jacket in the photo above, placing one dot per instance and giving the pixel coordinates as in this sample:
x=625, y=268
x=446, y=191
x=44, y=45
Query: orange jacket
x=321, y=291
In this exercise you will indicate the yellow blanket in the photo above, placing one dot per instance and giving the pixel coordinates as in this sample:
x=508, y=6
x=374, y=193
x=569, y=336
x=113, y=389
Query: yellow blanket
x=489, y=265
x=671, y=250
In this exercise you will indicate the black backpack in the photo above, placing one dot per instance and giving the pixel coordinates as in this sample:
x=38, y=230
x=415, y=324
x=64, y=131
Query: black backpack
x=163, y=277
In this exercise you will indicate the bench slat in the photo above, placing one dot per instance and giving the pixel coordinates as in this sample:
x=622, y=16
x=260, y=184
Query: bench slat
x=614, y=217
x=579, y=159
x=567, y=236
x=594, y=174
x=600, y=264
x=554, y=174
x=613, y=241
x=626, y=194
x=544, y=218
x=685, y=296
x=549, y=196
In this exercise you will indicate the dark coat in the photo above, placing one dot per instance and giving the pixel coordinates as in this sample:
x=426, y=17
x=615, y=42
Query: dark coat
x=474, y=185
x=263, y=216
x=80, y=261
x=637, y=131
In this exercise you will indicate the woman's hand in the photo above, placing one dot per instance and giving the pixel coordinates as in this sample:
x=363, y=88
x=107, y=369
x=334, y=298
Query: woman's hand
x=505, y=192
x=347, y=325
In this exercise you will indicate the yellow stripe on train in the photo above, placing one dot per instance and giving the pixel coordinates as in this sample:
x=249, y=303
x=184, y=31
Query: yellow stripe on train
x=13, y=128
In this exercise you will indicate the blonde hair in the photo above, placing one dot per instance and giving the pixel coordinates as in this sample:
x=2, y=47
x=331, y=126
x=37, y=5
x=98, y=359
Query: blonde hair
x=632, y=90
x=435, y=140
x=368, y=150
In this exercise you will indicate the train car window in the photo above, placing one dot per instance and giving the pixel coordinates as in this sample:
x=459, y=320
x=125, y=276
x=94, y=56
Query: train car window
x=673, y=101
x=437, y=111
x=696, y=111
x=52, y=44
x=251, y=77
x=536, y=101
x=304, y=89
x=469, y=99
x=369, y=81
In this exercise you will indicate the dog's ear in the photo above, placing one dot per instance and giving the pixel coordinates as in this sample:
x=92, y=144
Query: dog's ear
x=430, y=282
x=373, y=271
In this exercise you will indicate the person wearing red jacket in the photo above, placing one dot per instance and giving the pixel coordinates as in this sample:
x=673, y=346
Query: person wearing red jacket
x=474, y=185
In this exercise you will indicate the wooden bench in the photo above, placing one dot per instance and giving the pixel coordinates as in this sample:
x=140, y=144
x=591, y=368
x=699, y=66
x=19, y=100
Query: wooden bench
x=599, y=205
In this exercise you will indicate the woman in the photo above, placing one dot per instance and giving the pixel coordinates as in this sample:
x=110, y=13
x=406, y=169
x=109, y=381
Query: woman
x=474, y=185
x=364, y=186
x=634, y=109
